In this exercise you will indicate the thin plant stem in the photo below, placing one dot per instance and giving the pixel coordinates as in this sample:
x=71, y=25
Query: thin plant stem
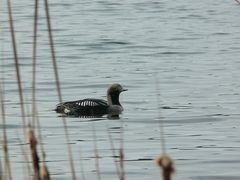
x=45, y=173
x=18, y=76
x=52, y=50
x=81, y=164
x=38, y=125
x=58, y=88
x=113, y=152
x=35, y=25
x=1, y=174
x=33, y=148
x=25, y=157
x=161, y=125
x=5, y=140
x=121, y=152
x=96, y=152
x=166, y=164
x=35, y=116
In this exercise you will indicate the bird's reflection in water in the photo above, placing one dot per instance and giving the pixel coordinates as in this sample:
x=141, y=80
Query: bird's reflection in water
x=94, y=118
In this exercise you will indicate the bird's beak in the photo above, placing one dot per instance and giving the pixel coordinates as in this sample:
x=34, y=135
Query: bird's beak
x=124, y=90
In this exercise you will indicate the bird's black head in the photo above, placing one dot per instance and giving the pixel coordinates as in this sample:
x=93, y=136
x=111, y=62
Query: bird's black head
x=113, y=92
x=116, y=88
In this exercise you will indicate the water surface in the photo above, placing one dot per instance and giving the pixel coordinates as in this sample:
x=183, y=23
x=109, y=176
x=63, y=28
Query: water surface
x=191, y=47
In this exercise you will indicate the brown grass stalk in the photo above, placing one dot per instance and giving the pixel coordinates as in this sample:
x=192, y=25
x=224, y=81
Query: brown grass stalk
x=25, y=157
x=164, y=161
x=7, y=163
x=58, y=87
x=81, y=165
x=33, y=148
x=16, y=62
x=161, y=125
x=18, y=76
x=166, y=164
x=35, y=118
x=45, y=173
x=35, y=25
x=43, y=155
x=121, y=152
x=96, y=152
x=113, y=152
x=1, y=174
x=5, y=152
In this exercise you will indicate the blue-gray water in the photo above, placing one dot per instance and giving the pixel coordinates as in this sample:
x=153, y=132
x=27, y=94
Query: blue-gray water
x=193, y=46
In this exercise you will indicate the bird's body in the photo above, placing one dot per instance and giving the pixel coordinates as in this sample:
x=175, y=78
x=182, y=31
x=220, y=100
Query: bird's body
x=94, y=107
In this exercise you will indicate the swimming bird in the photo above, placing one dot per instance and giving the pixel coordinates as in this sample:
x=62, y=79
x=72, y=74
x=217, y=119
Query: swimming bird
x=91, y=107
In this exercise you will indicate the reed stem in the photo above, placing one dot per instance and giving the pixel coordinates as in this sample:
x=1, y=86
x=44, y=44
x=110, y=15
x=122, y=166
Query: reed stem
x=16, y=61
x=58, y=88
x=96, y=152
x=45, y=173
x=35, y=27
x=81, y=165
x=166, y=164
x=113, y=152
x=161, y=125
x=25, y=157
x=5, y=140
x=35, y=116
x=33, y=148
x=121, y=152
x=1, y=171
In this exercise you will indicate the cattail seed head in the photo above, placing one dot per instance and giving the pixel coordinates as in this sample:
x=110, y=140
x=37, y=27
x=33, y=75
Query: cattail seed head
x=166, y=163
x=44, y=173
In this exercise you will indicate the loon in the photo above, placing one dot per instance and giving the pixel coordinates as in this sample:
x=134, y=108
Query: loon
x=91, y=107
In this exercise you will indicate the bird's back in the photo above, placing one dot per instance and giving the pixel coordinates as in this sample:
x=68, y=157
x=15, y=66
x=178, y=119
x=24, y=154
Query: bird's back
x=85, y=107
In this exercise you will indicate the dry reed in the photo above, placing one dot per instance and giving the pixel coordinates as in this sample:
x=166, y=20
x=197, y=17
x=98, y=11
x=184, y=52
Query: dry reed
x=33, y=147
x=121, y=152
x=1, y=174
x=25, y=157
x=58, y=87
x=96, y=152
x=35, y=118
x=164, y=161
x=166, y=164
x=44, y=173
x=7, y=163
x=35, y=27
x=113, y=152
x=160, y=122
x=81, y=165
x=16, y=62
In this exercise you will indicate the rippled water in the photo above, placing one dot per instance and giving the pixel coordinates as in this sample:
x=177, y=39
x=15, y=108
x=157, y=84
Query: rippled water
x=193, y=46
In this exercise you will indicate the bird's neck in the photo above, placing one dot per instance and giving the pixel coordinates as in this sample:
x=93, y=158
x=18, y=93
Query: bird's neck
x=113, y=99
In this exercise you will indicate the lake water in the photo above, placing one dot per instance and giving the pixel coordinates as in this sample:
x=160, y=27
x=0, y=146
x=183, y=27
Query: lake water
x=192, y=48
